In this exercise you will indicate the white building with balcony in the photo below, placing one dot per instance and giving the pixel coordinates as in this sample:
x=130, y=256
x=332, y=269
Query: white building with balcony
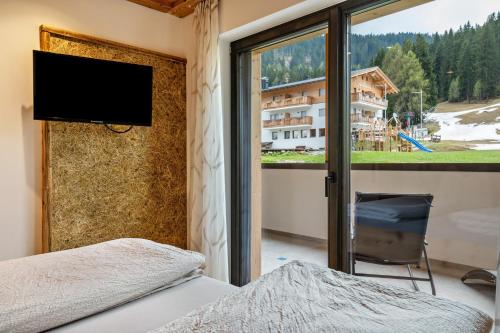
x=294, y=114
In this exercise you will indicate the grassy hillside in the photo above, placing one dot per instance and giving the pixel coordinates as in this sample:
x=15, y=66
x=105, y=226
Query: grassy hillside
x=464, y=106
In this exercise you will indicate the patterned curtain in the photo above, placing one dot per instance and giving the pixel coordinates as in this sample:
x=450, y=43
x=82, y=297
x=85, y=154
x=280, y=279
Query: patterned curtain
x=207, y=197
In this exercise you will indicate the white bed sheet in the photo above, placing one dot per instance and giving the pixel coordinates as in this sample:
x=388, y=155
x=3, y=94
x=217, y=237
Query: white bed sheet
x=153, y=311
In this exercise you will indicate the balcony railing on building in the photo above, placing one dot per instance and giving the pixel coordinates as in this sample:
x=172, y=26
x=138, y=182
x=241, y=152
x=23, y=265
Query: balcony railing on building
x=359, y=118
x=291, y=121
x=292, y=101
x=360, y=97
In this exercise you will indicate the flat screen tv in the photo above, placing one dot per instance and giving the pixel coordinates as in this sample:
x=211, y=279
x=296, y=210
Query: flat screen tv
x=70, y=88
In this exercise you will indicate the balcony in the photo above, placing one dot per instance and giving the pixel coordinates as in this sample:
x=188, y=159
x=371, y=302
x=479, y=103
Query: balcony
x=288, y=122
x=358, y=118
x=368, y=101
x=291, y=104
x=294, y=218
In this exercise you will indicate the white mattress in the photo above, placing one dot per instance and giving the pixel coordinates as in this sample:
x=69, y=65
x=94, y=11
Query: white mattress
x=155, y=310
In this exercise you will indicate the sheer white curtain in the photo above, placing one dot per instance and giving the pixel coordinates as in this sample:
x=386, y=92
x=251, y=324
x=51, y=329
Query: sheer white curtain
x=207, y=205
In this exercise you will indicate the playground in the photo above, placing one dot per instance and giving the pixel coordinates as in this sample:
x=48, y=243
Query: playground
x=380, y=135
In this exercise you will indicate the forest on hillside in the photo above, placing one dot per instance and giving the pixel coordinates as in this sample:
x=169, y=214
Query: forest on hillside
x=461, y=65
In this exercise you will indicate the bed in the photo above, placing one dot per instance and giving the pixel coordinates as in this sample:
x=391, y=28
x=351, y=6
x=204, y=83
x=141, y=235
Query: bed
x=100, y=282
x=135, y=285
x=304, y=297
x=152, y=311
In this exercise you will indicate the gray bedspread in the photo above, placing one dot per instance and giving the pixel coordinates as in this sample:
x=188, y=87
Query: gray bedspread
x=303, y=297
x=44, y=291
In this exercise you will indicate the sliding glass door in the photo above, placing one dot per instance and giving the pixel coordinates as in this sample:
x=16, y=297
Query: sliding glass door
x=411, y=136
x=290, y=135
x=285, y=139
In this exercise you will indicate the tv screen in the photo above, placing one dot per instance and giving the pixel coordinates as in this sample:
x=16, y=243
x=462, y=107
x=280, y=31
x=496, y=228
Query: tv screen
x=70, y=88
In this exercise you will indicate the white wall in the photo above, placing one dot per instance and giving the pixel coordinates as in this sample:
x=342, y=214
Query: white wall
x=20, y=144
x=293, y=201
x=236, y=13
x=463, y=224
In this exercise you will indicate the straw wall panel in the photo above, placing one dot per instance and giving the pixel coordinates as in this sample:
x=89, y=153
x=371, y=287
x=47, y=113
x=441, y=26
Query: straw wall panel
x=99, y=185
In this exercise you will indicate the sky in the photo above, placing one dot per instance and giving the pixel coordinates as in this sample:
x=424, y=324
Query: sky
x=435, y=16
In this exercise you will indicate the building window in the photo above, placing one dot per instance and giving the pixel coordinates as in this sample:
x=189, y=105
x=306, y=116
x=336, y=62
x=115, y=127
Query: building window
x=296, y=134
x=274, y=135
x=303, y=113
x=312, y=133
x=321, y=112
x=321, y=132
x=322, y=91
x=303, y=134
x=276, y=116
x=287, y=134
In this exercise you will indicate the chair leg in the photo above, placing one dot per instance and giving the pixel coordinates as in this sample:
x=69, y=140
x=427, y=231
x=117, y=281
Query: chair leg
x=412, y=281
x=429, y=272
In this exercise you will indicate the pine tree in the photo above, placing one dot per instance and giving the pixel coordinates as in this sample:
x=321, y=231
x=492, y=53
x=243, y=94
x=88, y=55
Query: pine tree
x=407, y=45
x=465, y=65
x=478, y=90
x=405, y=70
x=421, y=50
x=379, y=58
x=489, y=61
x=454, y=91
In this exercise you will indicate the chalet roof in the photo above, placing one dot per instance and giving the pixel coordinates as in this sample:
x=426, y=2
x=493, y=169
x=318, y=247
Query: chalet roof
x=379, y=76
x=375, y=72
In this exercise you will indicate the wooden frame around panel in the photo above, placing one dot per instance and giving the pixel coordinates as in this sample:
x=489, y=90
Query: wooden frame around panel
x=46, y=32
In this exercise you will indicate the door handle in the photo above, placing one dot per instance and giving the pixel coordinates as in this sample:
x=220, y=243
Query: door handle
x=330, y=179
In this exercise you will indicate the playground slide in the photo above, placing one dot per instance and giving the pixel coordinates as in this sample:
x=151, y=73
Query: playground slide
x=414, y=142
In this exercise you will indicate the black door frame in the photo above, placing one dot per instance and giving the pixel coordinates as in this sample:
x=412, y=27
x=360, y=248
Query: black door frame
x=337, y=184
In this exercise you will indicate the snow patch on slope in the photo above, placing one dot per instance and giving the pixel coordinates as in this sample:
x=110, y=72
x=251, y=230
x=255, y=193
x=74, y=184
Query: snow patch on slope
x=451, y=129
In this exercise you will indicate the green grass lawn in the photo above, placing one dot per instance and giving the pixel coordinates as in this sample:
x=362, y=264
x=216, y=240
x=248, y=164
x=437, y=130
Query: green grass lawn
x=293, y=157
x=468, y=156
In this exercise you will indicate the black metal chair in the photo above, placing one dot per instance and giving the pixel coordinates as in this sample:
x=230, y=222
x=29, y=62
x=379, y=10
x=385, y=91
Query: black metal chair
x=389, y=229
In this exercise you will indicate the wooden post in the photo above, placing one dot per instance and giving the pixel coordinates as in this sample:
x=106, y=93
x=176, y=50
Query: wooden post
x=45, y=46
x=256, y=210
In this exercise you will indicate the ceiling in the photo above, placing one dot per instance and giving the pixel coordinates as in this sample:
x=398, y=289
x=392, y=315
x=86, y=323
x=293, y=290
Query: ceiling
x=179, y=8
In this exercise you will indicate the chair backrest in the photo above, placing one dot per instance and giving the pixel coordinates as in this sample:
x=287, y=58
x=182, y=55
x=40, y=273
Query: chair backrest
x=390, y=228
